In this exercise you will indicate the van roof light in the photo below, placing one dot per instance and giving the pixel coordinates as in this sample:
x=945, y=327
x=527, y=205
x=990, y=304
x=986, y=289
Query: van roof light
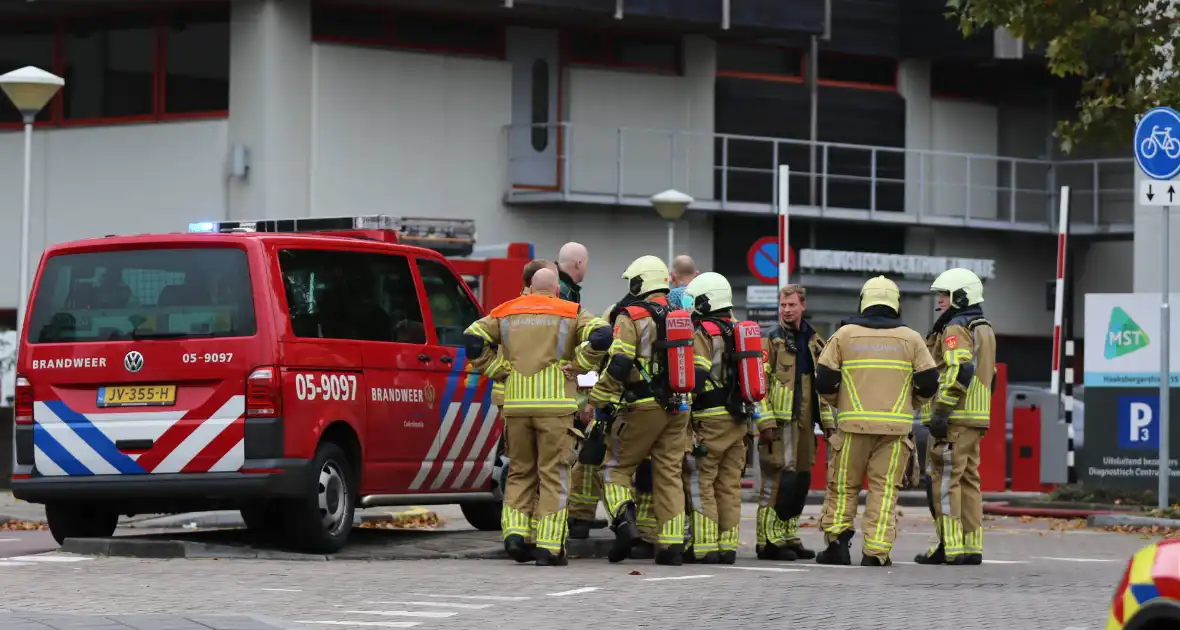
x=451, y=237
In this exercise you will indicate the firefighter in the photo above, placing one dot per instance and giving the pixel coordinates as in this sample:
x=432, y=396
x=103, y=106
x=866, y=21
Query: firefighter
x=872, y=371
x=536, y=332
x=641, y=492
x=713, y=469
x=634, y=384
x=964, y=346
x=786, y=432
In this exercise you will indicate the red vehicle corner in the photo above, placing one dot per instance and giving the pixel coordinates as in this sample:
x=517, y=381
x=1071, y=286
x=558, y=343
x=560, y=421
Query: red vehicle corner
x=292, y=376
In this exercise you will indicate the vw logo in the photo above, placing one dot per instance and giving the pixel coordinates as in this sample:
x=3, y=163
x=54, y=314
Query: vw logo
x=133, y=362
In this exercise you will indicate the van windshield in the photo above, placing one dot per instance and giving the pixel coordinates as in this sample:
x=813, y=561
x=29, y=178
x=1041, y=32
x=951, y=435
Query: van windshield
x=143, y=294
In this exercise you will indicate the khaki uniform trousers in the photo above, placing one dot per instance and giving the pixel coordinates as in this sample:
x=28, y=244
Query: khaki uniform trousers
x=713, y=484
x=792, y=449
x=540, y=451
x=586, y=482
x=640, y=432
x=956, y=500
x=883, y=459
x=645, y=509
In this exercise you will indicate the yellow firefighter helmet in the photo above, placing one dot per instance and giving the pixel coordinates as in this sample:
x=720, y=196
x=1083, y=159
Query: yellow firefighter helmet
x=962, y=285
x=647, y=274
x=710, y=292
x=880, y=291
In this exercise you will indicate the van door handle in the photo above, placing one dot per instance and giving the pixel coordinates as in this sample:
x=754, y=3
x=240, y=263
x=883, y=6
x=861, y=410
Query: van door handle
x=424, y=357
x=446, y=358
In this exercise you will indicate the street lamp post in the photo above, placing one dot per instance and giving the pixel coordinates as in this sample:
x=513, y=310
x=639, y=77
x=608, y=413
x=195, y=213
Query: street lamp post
x=670, y=205
x=29, y=89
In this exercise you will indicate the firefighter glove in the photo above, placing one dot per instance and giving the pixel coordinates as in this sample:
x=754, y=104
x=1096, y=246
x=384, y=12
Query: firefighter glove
x=939, y=424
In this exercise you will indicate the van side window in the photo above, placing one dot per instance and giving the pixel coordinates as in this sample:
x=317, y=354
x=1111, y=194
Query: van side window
x=450, y=303
x=351, y=295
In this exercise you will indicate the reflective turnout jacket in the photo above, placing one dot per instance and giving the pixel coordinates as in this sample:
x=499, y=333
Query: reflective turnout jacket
x=497, y=370
x=535, y=333
x=964, y=349
x=634, y=333
x=877, y=359
x=792, y=396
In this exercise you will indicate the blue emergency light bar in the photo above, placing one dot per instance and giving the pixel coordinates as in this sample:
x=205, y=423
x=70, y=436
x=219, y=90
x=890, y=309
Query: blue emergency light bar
x=450, y=237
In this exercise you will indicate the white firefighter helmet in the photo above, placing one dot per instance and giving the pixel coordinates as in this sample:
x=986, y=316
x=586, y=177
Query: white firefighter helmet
x=647, y=274
x=710, y=292
x=880, y=291
x=962, y=285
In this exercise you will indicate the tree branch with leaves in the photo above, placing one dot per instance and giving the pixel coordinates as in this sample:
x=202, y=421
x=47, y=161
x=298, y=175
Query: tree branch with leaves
x=1120, y=49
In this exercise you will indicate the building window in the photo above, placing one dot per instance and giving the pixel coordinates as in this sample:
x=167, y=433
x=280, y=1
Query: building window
x=382, y=27
x=624, y=51
x=873, y=73
x=125, y=67
x=25, y=44
x=770, y=63
x=109, y=67
x=196, y=61
x=540, y=105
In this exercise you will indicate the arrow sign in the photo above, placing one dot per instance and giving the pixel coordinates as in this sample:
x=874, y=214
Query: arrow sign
x=1149, y=197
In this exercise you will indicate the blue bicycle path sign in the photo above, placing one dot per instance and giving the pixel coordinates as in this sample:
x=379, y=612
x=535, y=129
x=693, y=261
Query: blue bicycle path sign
x=1157, y=143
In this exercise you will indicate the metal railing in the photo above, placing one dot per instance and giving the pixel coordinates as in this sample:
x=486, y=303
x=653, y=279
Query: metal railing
x=738, y=173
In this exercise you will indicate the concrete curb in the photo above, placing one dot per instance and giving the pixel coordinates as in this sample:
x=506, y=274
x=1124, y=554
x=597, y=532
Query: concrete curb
x=1126, y=520
x=233, y=519
x=130, y=547
x=1003, y=509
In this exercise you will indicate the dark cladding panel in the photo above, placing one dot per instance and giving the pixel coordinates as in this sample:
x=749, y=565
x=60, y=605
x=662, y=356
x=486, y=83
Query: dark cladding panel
x=866, y=27
x=929, y=33
x=765, y=110
x=863, y=117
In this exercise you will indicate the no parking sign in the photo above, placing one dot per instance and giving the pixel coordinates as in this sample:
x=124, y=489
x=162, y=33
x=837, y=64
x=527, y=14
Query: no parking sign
x=762, y=259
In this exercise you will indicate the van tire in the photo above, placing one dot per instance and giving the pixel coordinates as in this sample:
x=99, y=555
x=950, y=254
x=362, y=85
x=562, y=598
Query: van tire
x=483, y=515
x=267, y=517
x=74, y=520
x=330, y=491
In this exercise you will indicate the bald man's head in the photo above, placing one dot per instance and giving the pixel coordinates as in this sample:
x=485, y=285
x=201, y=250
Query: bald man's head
x=544, y=280
x=574, y=260
x=684, y=270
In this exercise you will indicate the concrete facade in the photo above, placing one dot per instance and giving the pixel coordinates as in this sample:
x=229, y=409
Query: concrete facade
x=336, y=129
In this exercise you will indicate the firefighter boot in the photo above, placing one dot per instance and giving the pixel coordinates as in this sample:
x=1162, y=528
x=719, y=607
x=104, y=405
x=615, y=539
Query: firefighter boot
x=626, y=533
x=518, y=549
x=770, y=551
x=936, y=555
x=802, y=488
x=838, y=550
x=728, y=557
x=874, y=561
x=642, y=550
x=671, y=556
x=973, y=559
x=546, y=558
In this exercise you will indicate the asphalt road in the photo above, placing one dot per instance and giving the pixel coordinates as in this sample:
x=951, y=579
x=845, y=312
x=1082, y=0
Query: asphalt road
x=1036, y=577
x=20, y=543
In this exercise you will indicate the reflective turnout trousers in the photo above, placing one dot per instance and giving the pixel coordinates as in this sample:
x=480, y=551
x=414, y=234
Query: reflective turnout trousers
x=540, y=450
x=586, y=490
x=785, y=465
x=636, y=434
x=713, y=485
x=882, y=458
x=645, y=512
x=955, y=498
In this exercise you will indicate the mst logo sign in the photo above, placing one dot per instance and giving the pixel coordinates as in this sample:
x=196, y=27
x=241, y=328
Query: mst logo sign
x=1123, y=335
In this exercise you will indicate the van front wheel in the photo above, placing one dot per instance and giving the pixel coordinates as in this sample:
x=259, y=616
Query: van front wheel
x=72, y=520
x=321, y=520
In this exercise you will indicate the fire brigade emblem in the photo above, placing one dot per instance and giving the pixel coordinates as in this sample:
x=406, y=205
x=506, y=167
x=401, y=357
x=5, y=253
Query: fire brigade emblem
x=765, y=355
x=428, y=395
x=951, y=342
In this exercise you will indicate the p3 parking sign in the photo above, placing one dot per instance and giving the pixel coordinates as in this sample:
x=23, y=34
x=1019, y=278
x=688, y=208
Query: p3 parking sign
x=1139, y=422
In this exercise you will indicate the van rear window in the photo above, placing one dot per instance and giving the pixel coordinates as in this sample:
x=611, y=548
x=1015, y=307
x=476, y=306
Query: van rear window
x=143, y=294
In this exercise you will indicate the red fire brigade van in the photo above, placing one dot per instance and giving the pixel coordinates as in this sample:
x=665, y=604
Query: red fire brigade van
x=270, y=366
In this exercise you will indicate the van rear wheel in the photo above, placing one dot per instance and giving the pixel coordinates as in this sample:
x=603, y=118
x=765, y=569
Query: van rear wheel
x=73, y=520
x=484, y=516
x=321, y=520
